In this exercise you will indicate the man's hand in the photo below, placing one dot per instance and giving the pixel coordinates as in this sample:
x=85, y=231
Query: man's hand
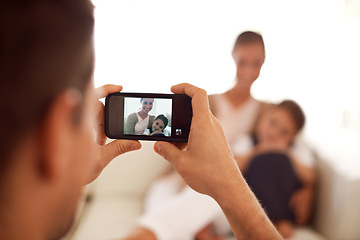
x=207, y=158
x=111, y=150
x=208, y=166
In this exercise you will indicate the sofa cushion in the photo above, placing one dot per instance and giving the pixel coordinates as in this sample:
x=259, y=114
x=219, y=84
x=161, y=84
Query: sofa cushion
x=337, y=210
x=131, y=173
x=108, y=217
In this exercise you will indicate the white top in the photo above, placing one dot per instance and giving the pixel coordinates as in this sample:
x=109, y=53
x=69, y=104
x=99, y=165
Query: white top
x=236, y=120
x=141, y=125
x=243, y=145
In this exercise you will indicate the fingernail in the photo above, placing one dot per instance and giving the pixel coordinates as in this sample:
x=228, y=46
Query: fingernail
x=158, y=147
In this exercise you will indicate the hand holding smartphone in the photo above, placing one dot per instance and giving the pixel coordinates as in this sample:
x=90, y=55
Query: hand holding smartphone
x=148, y=116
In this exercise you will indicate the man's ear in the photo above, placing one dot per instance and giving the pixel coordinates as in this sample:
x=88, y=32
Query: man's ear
x=56, y=135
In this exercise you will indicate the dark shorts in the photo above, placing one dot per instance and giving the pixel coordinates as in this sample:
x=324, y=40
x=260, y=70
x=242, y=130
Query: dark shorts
x=273, y=180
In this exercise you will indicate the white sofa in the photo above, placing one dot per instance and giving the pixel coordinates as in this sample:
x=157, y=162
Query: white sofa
x=117, y=196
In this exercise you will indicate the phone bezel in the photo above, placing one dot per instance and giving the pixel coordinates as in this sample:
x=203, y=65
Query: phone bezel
x=176, y=100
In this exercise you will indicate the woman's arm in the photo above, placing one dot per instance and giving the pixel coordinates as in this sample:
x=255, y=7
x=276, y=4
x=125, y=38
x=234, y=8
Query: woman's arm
x=307, y=175
x=302, y=200
x=130, y=124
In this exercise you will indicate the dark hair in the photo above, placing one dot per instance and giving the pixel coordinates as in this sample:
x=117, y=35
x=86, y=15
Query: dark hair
x=45, y=48
x=141, y=99
x=163, y=118
x=249, y=37
x=295, y=111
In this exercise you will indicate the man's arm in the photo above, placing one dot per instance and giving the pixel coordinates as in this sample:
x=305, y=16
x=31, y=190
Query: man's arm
x=244, y=213
x=208, y=166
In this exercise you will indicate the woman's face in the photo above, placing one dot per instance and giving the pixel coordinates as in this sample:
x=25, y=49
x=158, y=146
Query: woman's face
x=147, y=104
x=249, y=59
x=158, y=124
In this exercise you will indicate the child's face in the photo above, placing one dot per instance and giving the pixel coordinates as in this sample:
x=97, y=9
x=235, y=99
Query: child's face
x=158, y=124
x=147, y=104
x=249, y=59
x=276, y=126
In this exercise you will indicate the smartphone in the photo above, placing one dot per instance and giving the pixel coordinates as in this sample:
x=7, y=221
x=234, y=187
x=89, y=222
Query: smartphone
x=148, y=116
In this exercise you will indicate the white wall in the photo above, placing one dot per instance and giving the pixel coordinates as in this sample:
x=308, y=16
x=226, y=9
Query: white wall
x=312, y=51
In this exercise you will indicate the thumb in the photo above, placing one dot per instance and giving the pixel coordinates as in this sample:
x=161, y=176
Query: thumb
x=116, y=148
x=168, y=151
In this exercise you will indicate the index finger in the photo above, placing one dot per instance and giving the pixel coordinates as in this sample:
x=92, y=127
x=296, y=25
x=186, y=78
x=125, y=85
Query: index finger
x=199, y=98
x=105, y=90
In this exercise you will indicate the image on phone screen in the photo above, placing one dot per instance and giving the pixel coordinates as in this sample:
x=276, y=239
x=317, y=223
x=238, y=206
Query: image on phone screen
x=147, y=116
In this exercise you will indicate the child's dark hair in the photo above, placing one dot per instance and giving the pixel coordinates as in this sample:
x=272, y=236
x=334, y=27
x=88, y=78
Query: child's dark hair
x=163, y=118
x=249, y=37
x=295, y=111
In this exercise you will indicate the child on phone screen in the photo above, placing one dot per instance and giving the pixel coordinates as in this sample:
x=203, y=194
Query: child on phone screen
x=271, y=165
x=158, y=126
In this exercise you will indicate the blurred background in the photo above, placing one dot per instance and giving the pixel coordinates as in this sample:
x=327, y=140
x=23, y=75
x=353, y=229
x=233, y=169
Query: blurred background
x=312, y=56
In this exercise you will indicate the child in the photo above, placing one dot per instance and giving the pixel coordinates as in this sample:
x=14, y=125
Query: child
x=158, y=126
x=271, y=165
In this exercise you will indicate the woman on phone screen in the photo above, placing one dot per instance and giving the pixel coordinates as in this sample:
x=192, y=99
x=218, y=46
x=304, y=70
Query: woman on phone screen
x=137, y=122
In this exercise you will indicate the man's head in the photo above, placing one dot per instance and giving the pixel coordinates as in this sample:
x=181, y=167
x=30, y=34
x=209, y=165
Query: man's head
x=281, y=123
x=46, y=101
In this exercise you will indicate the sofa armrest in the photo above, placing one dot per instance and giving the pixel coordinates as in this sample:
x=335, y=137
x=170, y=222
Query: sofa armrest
x=337, y=213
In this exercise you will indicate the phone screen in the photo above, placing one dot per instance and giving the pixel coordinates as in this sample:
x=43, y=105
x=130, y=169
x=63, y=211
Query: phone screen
x=148, y=116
